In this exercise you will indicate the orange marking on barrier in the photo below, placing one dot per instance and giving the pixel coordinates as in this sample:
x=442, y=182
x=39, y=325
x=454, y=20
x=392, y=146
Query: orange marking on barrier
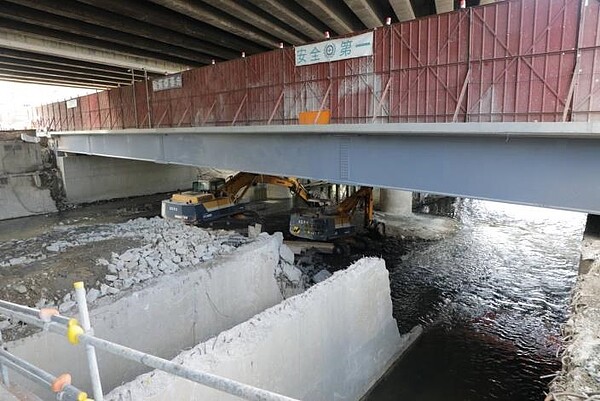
x=47, y=313
x=61, y=381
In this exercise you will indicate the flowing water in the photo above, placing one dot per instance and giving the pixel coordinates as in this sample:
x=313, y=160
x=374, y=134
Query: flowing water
x=492, y=299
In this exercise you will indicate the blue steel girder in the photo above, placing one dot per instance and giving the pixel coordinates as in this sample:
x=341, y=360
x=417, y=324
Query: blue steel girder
x=544, y=164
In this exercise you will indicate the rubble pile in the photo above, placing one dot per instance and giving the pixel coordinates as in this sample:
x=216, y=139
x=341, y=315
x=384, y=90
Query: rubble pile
x=169, y=247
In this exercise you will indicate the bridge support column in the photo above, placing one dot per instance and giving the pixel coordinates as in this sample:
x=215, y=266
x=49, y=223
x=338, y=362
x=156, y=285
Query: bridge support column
x=395, y=202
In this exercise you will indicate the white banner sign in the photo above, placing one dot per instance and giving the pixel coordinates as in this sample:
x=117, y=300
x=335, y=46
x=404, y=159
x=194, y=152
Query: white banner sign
x=170, y=82
x=71, y=104
x=335, y=49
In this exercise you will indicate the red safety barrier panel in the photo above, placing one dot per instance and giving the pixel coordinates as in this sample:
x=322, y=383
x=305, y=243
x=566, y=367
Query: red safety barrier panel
x=513, y=60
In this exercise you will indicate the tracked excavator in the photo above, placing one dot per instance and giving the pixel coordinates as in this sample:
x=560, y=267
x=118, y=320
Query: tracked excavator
x=218, y=198
x=332, y=222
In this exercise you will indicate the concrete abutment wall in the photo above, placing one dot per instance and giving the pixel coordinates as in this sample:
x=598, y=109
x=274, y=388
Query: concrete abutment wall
x=94, y=178
x=22, y=192
x=332, y=342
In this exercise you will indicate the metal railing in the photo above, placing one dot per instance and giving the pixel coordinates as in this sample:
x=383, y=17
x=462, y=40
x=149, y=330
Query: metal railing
x=77, y=333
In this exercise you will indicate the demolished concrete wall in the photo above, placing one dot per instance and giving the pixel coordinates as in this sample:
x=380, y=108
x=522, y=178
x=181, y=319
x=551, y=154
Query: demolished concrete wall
x=93, y=178
x=330, y=343
x=21, y=190
x=169, y=314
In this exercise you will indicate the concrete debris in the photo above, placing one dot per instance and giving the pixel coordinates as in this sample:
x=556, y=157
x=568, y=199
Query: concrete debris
x=321, y=276
x=5, y=324
x=66, y=306
x=286, y=254
x=21, y=289
x=108, y=290
x=41, y=303
x=92, y=295
x=292, y=273
x=254, y=231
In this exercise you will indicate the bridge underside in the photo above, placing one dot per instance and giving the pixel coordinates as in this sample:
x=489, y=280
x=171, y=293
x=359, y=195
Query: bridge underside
x=544, y=164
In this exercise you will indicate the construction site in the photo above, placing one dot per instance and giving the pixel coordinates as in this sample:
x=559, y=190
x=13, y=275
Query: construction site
x=299, y=200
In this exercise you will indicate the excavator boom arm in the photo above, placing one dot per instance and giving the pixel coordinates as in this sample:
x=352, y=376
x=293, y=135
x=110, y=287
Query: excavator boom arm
x=243, y=181
x=347, y=206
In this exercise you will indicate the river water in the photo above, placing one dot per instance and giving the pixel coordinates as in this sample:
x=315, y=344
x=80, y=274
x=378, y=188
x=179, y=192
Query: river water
x=491, y=298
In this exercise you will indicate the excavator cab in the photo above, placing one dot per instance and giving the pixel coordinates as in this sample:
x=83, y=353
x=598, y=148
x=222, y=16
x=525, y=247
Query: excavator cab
x=207, y=186
x=328, y=223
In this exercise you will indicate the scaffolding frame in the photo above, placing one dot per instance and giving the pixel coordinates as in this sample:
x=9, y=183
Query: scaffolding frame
x=76, y=333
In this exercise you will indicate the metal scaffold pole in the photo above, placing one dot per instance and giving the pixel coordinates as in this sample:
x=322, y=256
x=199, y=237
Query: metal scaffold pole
x=89, y=349
x=76, y=334
x=60, y=386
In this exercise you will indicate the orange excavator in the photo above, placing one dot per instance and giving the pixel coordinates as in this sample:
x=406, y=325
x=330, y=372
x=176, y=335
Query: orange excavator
x=212, y=200
x=337, y=221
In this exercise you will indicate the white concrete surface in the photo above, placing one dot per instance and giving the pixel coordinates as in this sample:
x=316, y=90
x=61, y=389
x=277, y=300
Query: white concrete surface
x=330, y=343
x=16, y=393
x=21, y=195
x=261, y=192
x=169, y=314
x=396, y=202
x=18, y=157
x=93, y=178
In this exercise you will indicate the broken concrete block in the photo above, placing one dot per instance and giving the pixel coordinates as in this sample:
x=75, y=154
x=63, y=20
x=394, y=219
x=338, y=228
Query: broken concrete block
x=292, y=273
x=21, y=289
x=92, y=295
x=66, y=306
x=321, y=276
x=102, y=262
x=286, y=254
x=152, y=262
x=53, y=248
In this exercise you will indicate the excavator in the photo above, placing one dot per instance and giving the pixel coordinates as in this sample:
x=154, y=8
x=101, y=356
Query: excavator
x=332, y=222
x=218, y=198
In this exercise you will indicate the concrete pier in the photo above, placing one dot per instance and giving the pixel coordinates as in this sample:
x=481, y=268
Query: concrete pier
x=395, y=202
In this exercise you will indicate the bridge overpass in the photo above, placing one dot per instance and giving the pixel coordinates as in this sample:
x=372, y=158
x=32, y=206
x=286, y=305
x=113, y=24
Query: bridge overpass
x=497, y=102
